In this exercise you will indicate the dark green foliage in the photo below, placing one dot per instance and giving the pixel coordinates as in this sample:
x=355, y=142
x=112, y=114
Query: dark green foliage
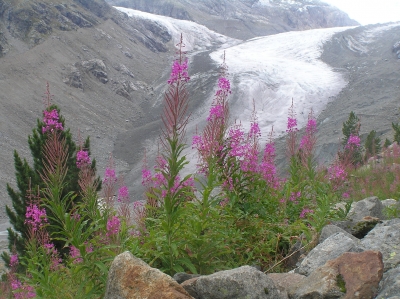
x=30, y=183
x=387, y=143
x=350, y=127
x=396, y=128
x=372, y=145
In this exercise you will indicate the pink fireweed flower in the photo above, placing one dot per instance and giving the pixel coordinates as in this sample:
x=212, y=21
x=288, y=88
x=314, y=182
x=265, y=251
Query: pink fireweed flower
x=14, y=260
x=113, y=226
x=51, y=121
x=291, y=124
x=353, y=142
x=337, y=172
x=223, y=83
x=311, y=127
x=88, y=247
x=304, y=212
x=254, y=130
x=82, y=158
x=35, y=217
x=179, y=72
x=162, y=164
x=216, y=111
x=197, y=142
x=267, y=166
x=75, y=254
x=109, y=176
x=146, y=177
x=123, y=194
x=236, y=138
x=294, y=196
x=22, y=290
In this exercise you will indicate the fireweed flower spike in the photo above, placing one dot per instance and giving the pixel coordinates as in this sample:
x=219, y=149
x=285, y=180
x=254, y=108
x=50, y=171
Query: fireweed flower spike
x=82, y=158
x=51, y=121
x=292, y=132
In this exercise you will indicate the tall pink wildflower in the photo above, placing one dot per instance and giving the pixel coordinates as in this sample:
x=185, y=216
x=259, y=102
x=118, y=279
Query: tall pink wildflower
x=113, y=226
x=267, y=165
x=308, y=140
x=210, y=142
x=353, y=142
x=35, y=217
x=75, y=254
x=82, y=158
x=51, y=121
x=179, y=72
x=292, y=132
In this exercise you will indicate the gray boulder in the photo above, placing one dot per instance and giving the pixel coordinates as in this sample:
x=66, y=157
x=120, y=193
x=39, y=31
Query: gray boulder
x=330, y=230
x=385, y=237
x=330, y=249
x=390, y=284
x=241, y=283
x=362, y=217
x=370, y=206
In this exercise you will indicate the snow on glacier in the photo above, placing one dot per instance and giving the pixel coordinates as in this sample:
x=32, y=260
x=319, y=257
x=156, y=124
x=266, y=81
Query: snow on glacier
x=196, y=37
x=273, y=70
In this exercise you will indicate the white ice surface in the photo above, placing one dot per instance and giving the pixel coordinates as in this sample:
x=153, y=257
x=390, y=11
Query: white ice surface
x=196, y=37
x=272, y=70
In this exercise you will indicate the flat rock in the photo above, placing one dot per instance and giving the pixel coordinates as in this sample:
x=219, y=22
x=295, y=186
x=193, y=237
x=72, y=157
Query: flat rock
x=244, y=282
x=131, y=278
x=330, y=230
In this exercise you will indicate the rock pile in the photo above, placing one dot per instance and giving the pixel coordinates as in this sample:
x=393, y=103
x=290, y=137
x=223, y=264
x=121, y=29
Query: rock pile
x=340, y=266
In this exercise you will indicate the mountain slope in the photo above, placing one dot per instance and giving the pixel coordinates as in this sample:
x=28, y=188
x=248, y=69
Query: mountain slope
x=244, y=19
x=100, y=74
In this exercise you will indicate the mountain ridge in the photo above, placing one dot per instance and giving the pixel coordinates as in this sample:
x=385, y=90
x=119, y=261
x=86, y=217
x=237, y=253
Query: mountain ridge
x=244, y=19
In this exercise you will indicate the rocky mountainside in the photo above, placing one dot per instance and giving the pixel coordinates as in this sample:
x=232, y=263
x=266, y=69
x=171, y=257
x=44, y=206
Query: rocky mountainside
x=244, y=19
x=99, y=63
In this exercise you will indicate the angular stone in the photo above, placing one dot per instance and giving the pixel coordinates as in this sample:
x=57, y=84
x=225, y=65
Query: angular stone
x=331, y=248
x=385, y=237
x=131, y=278
x=351, y=276
x=330, y=230
x=370, y=206
x=390, y=285
x=180, y=277
x=286, y=281
x=190, y=287
x=244, y=282
x=361, y=273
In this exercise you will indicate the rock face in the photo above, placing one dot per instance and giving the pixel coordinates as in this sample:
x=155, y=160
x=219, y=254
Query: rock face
x=131, y=278
x=245, y=19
